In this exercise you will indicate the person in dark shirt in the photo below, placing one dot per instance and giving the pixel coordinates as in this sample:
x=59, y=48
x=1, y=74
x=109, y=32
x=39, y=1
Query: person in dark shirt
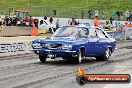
x=90, y=14
x=45, y=17
x=118, y=14
x=14, y=22
x=111, y=20
x=36, y=22
x=51, y=20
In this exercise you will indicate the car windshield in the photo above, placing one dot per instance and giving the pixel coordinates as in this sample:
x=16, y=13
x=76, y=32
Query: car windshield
x=66, y=32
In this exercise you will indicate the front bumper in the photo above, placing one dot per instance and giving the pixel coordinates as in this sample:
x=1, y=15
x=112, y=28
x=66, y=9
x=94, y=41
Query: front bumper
x=55, y=53
x=50, y=50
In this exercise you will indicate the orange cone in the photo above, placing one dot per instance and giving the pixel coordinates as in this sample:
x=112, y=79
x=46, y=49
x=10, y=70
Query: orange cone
x=34, y=31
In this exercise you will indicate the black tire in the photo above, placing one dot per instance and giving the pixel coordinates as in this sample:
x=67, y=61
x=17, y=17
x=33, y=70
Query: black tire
x=104, y=57
x=42, y=59
x=78, y=59
x=81, y=80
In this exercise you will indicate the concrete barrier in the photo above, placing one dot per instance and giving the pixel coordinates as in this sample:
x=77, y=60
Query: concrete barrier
x=14, y=48
x=15, y=31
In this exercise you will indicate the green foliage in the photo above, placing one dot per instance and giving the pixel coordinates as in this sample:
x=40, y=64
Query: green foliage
x=65, y=8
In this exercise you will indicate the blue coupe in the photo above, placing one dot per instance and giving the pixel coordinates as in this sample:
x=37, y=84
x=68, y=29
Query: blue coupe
x=75, y=43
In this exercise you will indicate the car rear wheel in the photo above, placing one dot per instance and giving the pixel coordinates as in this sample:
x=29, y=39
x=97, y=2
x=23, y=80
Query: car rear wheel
x=104, y=57
x=42, y=59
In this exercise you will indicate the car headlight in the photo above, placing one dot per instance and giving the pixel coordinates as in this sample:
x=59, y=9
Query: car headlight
x=36, y=45
x=67, y=47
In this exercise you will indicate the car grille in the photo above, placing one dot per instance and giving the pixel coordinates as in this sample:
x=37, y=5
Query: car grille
x=44, y=45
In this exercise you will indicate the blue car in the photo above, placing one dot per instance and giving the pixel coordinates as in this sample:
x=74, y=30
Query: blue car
x=75, y=43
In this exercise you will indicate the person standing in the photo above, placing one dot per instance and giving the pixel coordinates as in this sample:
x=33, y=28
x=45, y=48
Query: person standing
x=82, y=14
x=111, y=20
x=118, y=15
x=130, y=16
x=45, y=17
x=90, y=14
x=113, y=14
x=0, y=23
x=103, y=15
x=127, y=15
x=107, y=26
x=57, y=24
x=96, y=13
x=51, y=20
x=36, y=22
x=96, y=21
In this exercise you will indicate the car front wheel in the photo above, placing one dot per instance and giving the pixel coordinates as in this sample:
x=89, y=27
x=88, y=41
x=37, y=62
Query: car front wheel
x=42, y=59
x=104, y=57
x=78, y=59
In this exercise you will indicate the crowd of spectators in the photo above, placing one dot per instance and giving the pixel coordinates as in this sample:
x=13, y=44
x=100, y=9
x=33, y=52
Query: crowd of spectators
x=16, y=21
x=115, y=14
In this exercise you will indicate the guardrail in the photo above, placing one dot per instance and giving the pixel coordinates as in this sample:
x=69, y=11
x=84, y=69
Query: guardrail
x=15, y=31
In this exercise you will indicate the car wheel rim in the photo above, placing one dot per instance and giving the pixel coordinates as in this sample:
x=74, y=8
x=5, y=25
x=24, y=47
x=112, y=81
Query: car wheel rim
x=107, y=53
x=80, y=57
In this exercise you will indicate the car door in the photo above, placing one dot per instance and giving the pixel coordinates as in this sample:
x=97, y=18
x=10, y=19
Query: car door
x=102, y=41
x=92, y=46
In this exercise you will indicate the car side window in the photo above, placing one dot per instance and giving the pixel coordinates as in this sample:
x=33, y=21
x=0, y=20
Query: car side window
x=82, y=33
x=100, y=34
x=92, y=33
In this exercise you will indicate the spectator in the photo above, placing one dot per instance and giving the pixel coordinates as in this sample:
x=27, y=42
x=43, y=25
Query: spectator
x=73, y=23
x=14, y=21
x=31, y=21
x=127, y=15
x=18, y=22
x=41, y=22
x=130, y=15
x=90, y=14
x=27, y=20
x=54, y=11
x=0, y=23
x=121, y=15
x=7, y=20
x=45, y=17
x=107, y=26
x=10, y=21
x=111, y=20
x=113, y=14
x=36, y=22
x=96, y=13
x=96, y=21
x=57, y=24
x=118, y=15
x=82, y=14
x=103, y=15
x=51, y=20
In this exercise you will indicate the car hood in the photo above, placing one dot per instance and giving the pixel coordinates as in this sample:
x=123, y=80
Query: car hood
x=57, y=40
